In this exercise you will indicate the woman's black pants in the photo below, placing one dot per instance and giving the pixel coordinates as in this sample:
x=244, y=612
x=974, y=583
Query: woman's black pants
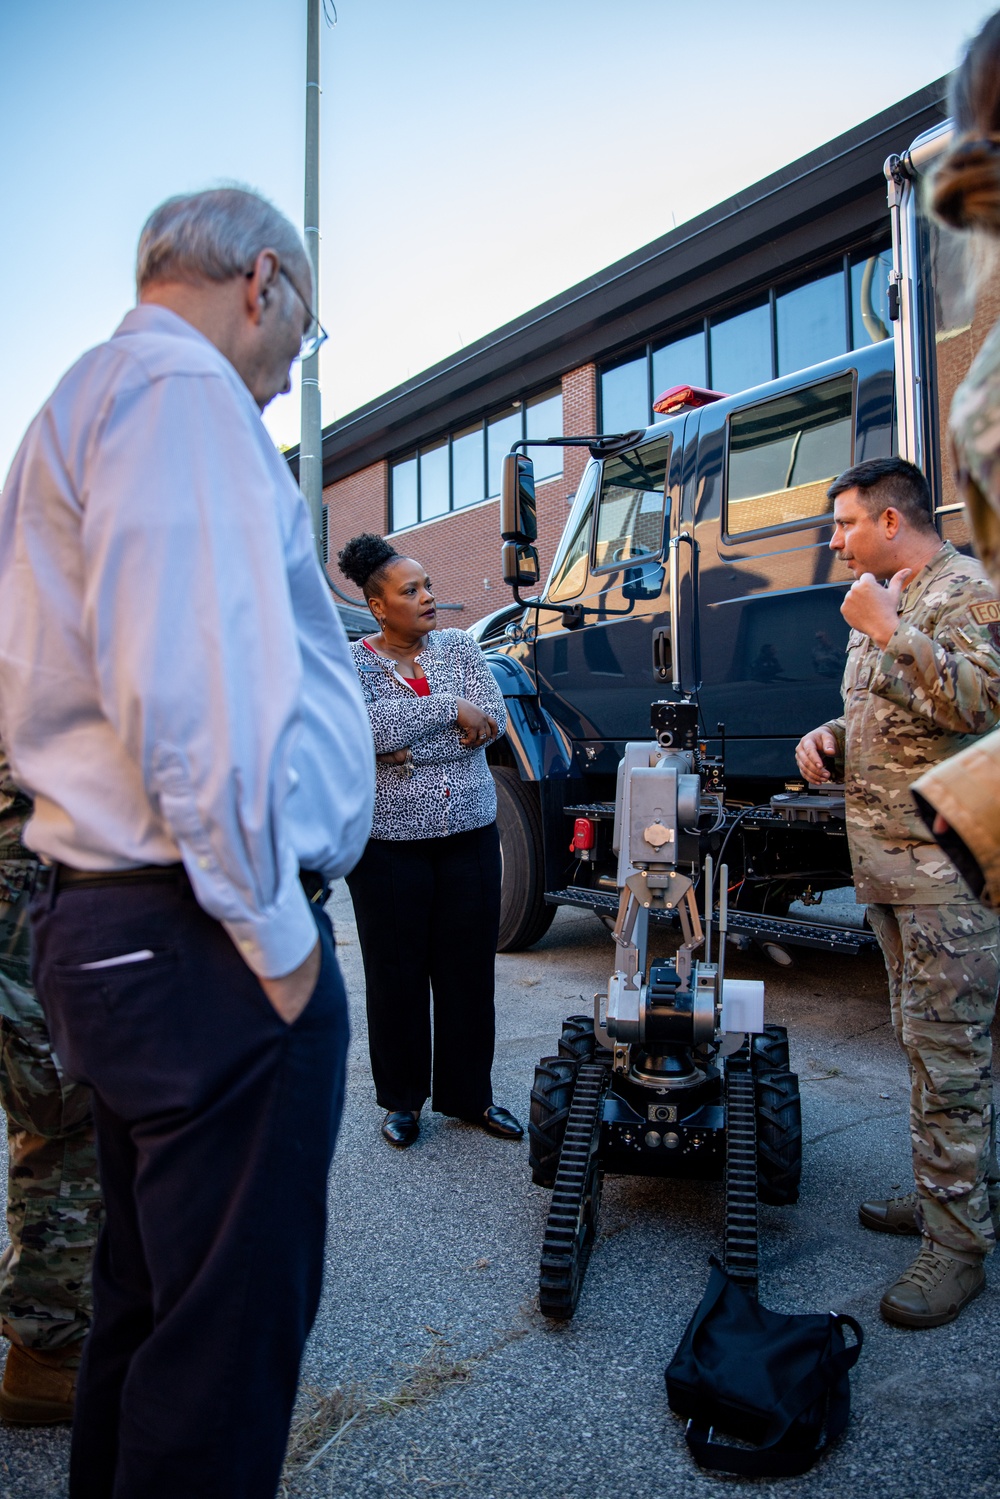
x=428, y=913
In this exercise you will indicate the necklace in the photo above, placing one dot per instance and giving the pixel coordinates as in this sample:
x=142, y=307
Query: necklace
x=401, y=659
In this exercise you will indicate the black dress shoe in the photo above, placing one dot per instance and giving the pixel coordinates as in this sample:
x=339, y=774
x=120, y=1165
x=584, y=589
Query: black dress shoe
x=502, y=1122
x=401, y=1128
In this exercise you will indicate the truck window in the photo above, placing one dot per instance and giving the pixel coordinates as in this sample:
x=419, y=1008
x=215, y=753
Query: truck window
x=630, y=509
x=784, y=453
x=569, y=570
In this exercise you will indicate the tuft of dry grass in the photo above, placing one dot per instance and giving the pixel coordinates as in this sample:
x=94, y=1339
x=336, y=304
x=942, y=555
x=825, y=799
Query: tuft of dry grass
x=819, y=1071
x=323, y=1422
x=329, y=1415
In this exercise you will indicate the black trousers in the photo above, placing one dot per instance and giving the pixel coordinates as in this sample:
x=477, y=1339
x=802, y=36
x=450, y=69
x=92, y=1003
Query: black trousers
x=215, y=1126
x=428, y=913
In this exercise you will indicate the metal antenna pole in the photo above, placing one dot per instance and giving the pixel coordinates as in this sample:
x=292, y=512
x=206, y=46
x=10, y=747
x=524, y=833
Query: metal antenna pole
x=311, y=437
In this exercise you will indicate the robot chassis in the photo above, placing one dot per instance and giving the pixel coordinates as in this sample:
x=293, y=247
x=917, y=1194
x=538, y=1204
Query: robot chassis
x=676, y=1073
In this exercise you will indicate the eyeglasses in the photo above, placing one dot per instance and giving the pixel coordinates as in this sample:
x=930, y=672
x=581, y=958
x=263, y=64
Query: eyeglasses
x=313, y=340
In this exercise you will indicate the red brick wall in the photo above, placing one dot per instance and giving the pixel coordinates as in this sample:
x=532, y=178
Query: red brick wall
x=357, y=503
x=461, y=551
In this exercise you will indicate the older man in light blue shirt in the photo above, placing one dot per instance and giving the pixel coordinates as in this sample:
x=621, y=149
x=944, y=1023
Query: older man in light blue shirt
x=177, y=696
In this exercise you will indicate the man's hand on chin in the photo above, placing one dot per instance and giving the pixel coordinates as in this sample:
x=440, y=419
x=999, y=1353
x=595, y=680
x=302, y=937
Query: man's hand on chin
x=292, y=992
x=872, y=609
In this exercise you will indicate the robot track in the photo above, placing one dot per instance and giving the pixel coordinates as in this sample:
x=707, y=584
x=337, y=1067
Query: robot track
x=576, y=1197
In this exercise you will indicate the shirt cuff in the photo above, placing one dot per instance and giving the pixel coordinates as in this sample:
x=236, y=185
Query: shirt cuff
x=275, y=942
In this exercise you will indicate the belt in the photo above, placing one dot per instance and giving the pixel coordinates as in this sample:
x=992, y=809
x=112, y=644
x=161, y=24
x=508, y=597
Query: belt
x=61, y=875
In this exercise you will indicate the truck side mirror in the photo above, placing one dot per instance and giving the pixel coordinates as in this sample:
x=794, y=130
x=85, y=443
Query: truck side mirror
x=643, y=582
x=520, y=565
x=518, y=516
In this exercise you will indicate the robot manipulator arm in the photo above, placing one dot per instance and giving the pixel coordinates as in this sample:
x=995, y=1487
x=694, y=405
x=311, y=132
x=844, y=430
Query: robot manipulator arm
x=658, y=805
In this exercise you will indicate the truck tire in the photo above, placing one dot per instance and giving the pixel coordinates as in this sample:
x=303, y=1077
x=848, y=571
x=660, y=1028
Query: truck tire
x=770, y=1050
x=524, y=916
x=551, y=1095
x=779, y=1137
x=578, y=1040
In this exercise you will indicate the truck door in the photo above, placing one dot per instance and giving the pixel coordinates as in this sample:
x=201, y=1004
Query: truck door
x=772, y=636
x=597, y=680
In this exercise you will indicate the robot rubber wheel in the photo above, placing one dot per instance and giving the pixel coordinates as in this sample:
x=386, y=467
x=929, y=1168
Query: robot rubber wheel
x=551, y=1094
x=779, y=1137
x=578, y=1039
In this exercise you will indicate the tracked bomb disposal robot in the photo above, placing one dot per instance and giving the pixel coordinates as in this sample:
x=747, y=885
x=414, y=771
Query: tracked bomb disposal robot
x=676, y=1073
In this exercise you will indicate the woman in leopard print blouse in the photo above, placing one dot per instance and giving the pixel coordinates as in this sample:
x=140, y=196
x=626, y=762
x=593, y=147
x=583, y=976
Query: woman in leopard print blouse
x=426, y=892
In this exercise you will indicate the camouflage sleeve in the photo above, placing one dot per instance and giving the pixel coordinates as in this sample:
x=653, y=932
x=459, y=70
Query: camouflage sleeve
x=975, y=430
x=951, y=679
x=965, y=790
x=17, y=863
x=837, y=728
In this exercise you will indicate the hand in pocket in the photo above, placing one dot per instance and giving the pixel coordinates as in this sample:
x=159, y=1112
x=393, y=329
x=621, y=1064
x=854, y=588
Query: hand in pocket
x=292, y=992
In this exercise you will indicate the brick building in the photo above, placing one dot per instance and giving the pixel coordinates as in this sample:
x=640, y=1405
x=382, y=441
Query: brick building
x=789, y=272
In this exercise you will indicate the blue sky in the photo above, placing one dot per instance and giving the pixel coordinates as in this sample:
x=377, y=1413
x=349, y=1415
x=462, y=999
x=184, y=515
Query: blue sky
x=476, y=157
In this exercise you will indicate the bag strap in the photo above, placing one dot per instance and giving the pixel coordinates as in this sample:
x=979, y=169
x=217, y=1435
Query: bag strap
x=769, y=1461
x=714, y=1291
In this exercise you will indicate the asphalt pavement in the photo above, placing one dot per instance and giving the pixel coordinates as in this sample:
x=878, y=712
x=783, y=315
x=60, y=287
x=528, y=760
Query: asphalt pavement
x=430, y=1370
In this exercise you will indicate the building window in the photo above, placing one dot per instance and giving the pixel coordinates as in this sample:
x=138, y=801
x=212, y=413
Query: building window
x=543, y=418
x=811, y=323
x=741, y=350
x=468, y=481
x=870, y=299
x=785, y=453
x=501, y=431
x=625, y=396
x=434, y=486
x=405, y=510
x=681, y=362
x=464, y=467
x=841, y=306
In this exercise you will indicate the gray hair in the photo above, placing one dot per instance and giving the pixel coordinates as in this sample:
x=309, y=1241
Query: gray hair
x=213, y=236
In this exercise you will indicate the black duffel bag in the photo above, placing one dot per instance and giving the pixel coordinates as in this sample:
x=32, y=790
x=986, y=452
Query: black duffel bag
x=777, y=1380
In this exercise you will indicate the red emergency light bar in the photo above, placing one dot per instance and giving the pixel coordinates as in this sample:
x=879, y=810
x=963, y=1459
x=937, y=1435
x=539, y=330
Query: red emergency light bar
x=685, y=398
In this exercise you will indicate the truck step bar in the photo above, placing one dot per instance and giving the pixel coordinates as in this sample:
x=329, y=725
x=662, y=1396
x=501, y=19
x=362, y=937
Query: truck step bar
x=751, y=924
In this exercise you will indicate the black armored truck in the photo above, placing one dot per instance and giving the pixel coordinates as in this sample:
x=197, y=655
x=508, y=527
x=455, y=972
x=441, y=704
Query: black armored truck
x=689, y=633
x=695, y=565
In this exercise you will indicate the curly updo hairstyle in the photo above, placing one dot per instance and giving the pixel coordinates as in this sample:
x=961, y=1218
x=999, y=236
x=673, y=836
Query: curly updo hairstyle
x=364, y=560
x=965, y=189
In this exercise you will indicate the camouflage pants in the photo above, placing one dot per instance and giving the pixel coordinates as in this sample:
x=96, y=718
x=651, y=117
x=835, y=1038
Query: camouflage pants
x=942, y=963
x=53, y=1197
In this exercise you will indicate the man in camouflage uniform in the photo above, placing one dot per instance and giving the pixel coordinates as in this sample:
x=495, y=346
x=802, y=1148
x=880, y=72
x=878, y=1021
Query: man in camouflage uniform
x=922, y=682
x=961, y=801
x=53, y=1197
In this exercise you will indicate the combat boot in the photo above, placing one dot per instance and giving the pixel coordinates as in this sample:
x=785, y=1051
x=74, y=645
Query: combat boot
x=39, y=1385
x=934, y=1289
x=891, y=1215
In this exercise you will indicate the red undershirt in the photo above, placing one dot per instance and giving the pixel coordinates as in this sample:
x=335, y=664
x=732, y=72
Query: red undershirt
x=420, y=685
